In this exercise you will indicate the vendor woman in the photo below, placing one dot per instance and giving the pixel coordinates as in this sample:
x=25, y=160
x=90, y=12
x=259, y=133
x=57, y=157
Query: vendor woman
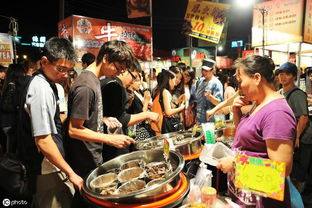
x=267, y=131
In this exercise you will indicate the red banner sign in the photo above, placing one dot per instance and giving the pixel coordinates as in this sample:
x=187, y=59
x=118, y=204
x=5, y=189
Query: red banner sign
x=88, y=34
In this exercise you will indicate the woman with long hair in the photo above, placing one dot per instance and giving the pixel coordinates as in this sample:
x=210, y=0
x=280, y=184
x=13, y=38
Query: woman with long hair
x=162, y=103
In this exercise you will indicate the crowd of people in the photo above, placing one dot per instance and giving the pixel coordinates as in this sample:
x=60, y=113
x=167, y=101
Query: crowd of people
x=73, y=122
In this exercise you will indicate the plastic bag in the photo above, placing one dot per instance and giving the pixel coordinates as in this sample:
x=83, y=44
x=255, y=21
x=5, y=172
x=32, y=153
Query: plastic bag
x=295, y=197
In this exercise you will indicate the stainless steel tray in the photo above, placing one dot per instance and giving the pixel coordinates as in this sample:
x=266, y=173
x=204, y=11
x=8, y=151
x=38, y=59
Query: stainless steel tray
x=183, y=141
x=152, y=193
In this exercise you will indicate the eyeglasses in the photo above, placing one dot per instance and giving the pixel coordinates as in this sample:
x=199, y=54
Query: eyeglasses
x=132, y=75
x=62, y=69
x=119, y=69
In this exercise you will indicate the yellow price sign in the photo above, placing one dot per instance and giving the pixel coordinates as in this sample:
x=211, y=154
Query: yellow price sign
x=207, y=19
x=262, y=176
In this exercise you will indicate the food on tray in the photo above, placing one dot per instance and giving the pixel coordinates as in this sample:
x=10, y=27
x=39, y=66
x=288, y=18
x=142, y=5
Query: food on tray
x=109, y=190
x=131, y=173
x=154, y=182
x=156, y=170
x=99, y=183
x=132, y=164
x=131, y=186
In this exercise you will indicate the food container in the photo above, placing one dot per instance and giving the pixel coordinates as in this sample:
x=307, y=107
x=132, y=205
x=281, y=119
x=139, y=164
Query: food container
x=147, y=194
x=156, y=170
x=130, y=174
x=173, y=199
x=159, y=189
x=184, y=142
x=131, y=186
x=209, y=196
x=99, y=183
x=154, y=182
x=133, y=164
x=229, y=130
x=109, y=190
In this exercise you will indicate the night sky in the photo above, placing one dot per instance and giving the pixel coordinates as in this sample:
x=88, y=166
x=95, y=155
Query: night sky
x=42, y=18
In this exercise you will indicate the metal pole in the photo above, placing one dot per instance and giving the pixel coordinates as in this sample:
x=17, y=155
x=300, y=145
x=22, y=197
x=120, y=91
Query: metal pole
x=61, y=10
x=216, y=48
x=191, y=49
x=14, y=28
x=263, y=12
x=299, y=64
x=216, y=52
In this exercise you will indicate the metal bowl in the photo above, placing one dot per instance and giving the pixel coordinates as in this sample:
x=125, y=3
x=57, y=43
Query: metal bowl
x=102, y=181
x=109, y=190
x=131, y=186
x=154, y=182
x=147, y=194
x=184, y=142
x=130, y=174
x=133, y=164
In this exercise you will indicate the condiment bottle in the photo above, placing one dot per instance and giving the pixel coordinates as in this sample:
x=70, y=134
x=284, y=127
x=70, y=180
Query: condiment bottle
x=209, y=196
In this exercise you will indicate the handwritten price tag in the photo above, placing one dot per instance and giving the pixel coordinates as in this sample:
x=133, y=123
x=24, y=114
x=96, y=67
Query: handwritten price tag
x=261, y=176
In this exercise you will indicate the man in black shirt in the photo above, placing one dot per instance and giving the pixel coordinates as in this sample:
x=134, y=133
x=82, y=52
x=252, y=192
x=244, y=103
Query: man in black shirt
x=297, y=100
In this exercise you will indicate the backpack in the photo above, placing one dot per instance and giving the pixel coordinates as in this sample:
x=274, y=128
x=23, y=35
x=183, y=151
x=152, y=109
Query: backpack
x=18, y=170
x=9, y=99
x=307, y=132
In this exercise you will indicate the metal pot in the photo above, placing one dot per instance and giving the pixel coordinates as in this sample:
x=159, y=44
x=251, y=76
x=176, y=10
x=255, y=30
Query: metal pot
x=148, y=193
x=184, y=142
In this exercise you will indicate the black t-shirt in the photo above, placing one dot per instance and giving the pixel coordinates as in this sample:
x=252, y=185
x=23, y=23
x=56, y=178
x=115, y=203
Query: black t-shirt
x=136, y=106
x=85, y=103
x=115, y=99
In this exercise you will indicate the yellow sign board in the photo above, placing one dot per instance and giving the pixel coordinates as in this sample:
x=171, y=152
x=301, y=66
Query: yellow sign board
x=262, y=176
x=207, y=19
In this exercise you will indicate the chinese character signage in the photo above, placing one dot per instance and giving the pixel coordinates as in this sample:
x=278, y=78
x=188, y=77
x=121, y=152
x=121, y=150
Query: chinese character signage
x=38, y=41
x=207, y=19
x=261, y=176
x=6, y=49
x=282, y=22
x=88, y=34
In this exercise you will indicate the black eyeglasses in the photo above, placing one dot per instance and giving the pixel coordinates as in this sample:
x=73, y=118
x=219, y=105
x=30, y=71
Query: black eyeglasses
x=132, y=75
x=120, y=69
